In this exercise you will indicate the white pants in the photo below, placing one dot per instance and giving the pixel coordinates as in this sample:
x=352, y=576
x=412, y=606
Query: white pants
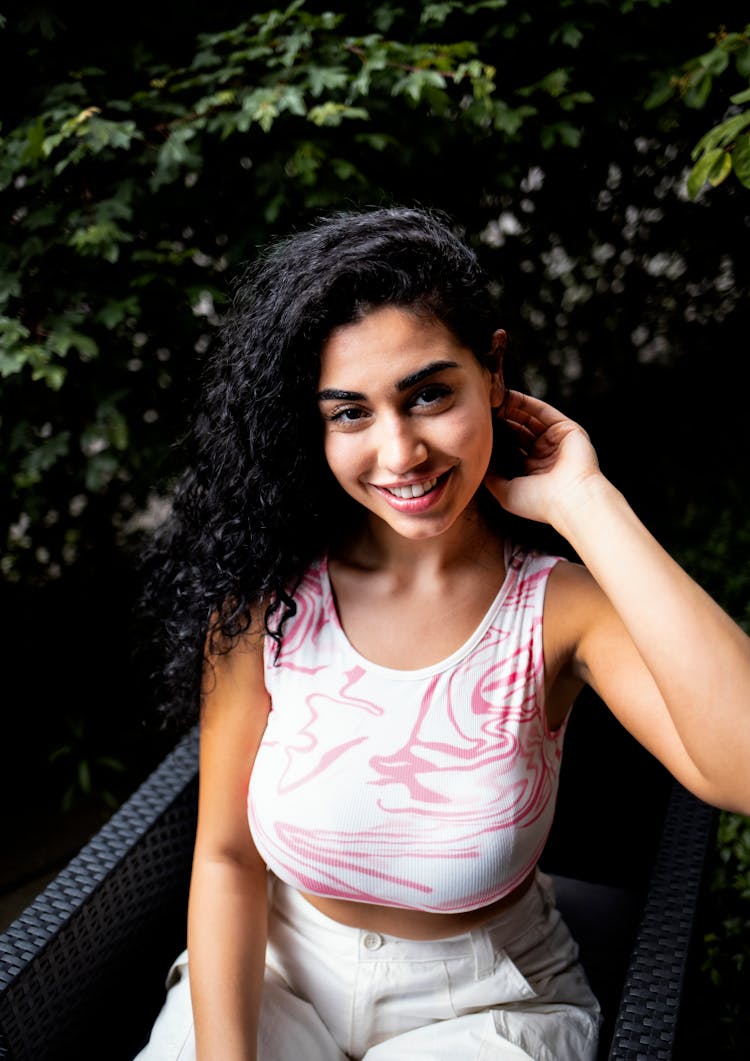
x=508, y=991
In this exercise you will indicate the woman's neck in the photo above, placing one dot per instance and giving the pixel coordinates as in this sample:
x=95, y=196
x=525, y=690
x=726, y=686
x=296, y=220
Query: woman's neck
x=373, y=545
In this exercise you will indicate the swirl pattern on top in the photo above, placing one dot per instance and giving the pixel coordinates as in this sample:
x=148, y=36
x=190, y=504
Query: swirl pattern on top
x=430, y=789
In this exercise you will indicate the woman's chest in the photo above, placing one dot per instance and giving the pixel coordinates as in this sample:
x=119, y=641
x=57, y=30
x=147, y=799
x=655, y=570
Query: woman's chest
x=412, y=627
x=335, y=713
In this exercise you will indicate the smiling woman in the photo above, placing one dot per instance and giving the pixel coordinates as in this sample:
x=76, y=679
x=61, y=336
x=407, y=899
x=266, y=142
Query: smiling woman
x=387, y=666
x=408, y=419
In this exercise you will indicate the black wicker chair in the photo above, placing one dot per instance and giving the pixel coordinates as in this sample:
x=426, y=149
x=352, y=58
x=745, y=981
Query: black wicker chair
x=82, y=968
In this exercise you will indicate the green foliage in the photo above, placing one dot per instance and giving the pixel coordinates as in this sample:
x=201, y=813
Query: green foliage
x=714, y=540
x=84, y=771
x=717, y=542
x=725, y=148
x=726, y=960
x=133, y=189
x=112, y=236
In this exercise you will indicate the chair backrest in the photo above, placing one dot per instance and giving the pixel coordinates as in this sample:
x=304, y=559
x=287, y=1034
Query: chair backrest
x=611, y=805
x=628, y=850
x=85, y=963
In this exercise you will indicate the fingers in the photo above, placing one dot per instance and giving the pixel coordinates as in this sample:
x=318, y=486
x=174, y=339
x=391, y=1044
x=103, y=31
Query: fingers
x=530, y=412
x=524, y=436
x=530, y=419
x=538, y=426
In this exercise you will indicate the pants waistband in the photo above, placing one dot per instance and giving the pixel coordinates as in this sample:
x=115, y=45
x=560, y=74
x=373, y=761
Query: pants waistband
x=482, y=942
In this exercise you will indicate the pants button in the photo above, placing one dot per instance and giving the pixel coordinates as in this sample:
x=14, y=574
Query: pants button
x=372, y=941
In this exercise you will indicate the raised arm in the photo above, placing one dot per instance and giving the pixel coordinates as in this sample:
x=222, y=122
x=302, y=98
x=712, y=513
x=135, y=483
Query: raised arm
x=228, y=905
x=663, y=655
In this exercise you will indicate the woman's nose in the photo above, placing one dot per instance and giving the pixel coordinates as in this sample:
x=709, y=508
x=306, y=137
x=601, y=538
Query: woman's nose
x=401, y=447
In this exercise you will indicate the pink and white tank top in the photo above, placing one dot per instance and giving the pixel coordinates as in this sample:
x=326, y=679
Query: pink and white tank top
x=431, y=789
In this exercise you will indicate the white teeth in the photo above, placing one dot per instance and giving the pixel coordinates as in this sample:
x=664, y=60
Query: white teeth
x=417, y=490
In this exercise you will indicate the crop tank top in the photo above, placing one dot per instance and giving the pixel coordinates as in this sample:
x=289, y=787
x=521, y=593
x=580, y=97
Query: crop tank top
x=430, y=789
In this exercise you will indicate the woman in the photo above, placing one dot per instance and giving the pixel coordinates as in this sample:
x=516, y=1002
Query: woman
x=387, y=666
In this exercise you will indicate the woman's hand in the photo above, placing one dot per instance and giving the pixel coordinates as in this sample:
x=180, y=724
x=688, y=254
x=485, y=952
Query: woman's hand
x=561, y=463
x=671, y=665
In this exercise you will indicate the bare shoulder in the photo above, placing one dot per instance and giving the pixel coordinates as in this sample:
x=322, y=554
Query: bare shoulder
x=583, y=628
x=234, y=714
x=573, y=602
x=234, y=677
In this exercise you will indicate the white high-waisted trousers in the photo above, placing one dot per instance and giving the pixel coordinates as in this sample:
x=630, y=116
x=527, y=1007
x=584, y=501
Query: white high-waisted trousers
x=510, y=990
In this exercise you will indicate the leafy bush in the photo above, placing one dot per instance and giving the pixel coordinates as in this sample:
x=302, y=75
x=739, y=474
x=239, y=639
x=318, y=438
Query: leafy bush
x=136, y=185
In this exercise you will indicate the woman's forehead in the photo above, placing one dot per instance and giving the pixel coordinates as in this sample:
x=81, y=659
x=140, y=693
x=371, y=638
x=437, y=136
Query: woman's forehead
x=387, y=345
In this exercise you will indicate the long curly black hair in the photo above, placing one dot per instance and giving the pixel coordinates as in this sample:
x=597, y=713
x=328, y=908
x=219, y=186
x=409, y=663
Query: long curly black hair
x=257, y=502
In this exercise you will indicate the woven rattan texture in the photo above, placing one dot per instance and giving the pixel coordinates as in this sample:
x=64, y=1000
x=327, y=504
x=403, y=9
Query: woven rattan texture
x=647, y=1018
x=67, y=971
x=81, y=971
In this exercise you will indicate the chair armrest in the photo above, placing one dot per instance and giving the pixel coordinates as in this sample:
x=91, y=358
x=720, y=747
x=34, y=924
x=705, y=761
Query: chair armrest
x=99, y=939
x=646, y=1021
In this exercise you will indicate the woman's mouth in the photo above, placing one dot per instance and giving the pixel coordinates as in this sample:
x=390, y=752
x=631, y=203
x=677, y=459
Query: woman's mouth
x=413, y=489
x=415, y=497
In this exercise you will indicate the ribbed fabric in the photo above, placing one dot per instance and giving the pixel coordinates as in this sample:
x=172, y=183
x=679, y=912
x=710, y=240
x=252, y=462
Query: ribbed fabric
x=431, y=789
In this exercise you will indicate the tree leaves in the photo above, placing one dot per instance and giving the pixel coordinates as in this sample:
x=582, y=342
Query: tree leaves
x=714, y=154
x=741, y=159
x=117, y=190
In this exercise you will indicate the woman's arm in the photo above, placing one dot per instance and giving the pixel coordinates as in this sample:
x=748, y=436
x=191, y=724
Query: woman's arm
x=664, y=656
x=228, y=905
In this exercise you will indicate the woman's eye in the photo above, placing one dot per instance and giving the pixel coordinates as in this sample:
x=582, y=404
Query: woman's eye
x=350, y=414
x=431, y=395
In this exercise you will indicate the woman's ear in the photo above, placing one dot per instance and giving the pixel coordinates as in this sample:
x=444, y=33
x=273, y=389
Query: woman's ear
x=497, y=386
x=499, y=342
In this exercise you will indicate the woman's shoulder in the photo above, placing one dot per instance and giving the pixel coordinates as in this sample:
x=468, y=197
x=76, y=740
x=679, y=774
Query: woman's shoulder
x=573, y=602
x=528, y=560
x=570, y=581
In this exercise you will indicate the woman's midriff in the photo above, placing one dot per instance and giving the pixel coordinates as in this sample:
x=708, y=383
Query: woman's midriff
x=413, y=924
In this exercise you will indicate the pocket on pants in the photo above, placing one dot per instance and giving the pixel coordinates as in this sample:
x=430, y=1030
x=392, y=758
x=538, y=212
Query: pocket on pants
x=547, y=955
x=546, y=1032
x=505, y=984
x=177, y=970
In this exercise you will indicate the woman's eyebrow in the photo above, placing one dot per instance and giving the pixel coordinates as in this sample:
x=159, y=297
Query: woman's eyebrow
x=423, y=373
x=333, y=395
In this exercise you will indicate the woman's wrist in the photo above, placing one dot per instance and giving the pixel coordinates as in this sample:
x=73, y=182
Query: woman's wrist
x=587, y=512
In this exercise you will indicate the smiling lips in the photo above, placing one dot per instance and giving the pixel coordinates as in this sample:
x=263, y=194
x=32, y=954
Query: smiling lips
x=413, y=489
x=414, y=497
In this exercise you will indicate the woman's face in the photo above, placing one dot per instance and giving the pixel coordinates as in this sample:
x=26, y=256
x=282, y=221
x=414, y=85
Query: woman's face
x=407, y=413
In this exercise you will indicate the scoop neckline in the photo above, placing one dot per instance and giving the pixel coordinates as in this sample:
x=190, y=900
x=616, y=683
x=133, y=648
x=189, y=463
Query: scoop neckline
x=448, y=662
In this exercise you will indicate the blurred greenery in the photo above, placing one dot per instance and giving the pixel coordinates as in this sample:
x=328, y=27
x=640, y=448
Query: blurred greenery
x=716, y=555
x=597, y=155
x=725, y=148
x=88, y=768
x=140, y=174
